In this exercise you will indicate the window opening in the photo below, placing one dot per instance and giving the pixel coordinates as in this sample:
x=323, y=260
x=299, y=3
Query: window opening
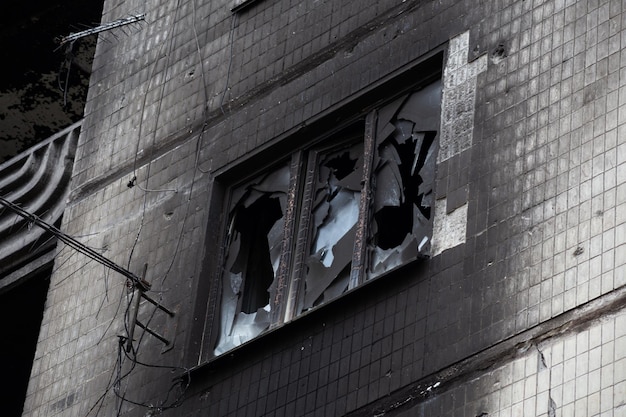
x=252, y=258
x=344, y=213
x=256, y=227
x=404, y=174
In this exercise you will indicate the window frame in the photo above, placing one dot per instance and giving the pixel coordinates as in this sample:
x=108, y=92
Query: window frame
x=239, y=5
x=303, y=231
x=203, y=338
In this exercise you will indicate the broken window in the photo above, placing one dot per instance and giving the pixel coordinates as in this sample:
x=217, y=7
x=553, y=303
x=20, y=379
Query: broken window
x=254, y=240
x=351, y=209
x=334, y=215
x=404, y=175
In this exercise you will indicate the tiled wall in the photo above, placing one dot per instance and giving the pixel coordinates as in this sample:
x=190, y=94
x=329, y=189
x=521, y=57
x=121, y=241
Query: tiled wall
x=581, y=374
x=536, y=182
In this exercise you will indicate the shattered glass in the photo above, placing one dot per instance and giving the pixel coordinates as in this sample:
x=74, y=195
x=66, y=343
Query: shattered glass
x=252, y=257
x=404, y=171
x=334, y=216
x=364, y=209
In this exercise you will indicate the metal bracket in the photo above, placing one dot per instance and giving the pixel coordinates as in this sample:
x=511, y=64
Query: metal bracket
x=168, y=338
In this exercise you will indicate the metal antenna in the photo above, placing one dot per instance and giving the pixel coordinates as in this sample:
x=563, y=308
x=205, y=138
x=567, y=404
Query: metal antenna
x=102, y=28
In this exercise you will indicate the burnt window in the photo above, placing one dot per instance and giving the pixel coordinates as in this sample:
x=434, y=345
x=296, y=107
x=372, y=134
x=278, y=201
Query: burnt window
x=404, y=176
x=334, y=188
x=253, y=249
x=349, y=208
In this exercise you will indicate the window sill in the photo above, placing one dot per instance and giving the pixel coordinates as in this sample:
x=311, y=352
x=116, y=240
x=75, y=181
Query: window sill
x=241, y=4
x=313, y=316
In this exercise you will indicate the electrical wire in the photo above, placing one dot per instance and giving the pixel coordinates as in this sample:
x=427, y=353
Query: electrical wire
x=117, y=376
x=93, y=255
x=205, y=88
x=67, y=63
x=133, y=181
x=106, y=291
x=100, y=401
x=120, y=377
x=230, y=59
x=120, y=391
x=169, y=42
x=70, y=241
x=132, y=356
x=193, y=180
x=181, y=383
x=117, y=310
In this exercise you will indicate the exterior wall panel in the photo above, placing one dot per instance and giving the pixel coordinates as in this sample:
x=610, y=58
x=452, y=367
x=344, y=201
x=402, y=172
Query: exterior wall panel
x=529, y=224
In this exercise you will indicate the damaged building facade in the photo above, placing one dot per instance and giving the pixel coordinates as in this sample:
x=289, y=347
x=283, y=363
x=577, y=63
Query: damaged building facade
x=355, y=208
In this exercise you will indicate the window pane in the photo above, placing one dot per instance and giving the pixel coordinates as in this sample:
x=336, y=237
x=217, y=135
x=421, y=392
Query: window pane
x=252, y=258
x=334, y=215
x=404, y=170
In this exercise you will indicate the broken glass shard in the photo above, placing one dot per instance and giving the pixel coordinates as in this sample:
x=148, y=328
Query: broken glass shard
x=404, y=171
x=252, y=256
x=334, y=217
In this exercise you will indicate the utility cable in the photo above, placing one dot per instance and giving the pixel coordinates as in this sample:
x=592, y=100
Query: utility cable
x=75, y=244
x=230, y=60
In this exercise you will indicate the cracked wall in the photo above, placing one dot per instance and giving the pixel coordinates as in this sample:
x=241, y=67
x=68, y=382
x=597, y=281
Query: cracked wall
x=577, y=374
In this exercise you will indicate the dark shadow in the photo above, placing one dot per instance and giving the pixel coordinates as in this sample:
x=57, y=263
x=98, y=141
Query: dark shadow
x=21, y=311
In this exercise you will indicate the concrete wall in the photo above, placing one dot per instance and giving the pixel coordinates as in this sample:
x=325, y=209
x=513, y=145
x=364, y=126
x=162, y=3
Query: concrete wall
x=531, y=171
